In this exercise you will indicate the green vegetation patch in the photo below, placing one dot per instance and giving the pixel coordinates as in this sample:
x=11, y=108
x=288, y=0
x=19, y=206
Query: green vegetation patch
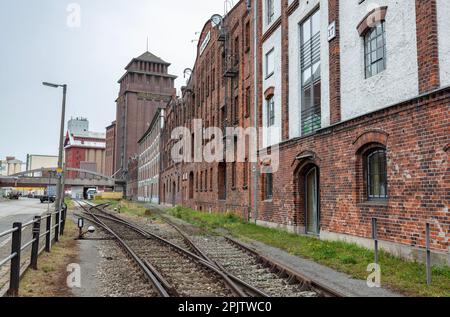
x=397, y=274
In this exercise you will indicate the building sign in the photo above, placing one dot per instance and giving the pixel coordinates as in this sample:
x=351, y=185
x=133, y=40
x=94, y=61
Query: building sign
x=205, y=42
x=332, y=31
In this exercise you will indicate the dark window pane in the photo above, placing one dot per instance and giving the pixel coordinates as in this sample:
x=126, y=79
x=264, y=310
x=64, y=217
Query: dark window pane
x=377, y=175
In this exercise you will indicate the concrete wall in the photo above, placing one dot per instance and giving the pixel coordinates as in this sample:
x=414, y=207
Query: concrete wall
x=304, y=9
x=443, y=15
x=400, y=79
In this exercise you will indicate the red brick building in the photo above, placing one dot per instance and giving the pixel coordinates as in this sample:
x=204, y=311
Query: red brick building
x=85, y=150
x=355, y=103
x=219, y=92
x=145, y=87
x=110, y=149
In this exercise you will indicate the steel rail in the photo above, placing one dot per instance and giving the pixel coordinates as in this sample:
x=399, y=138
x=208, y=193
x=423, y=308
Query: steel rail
x=148, y=273
x=244, y=286
x=9, y=231
x=211, y=266
x=275, y=266
x=247, y=288
x=9, y=258
x=282, y=269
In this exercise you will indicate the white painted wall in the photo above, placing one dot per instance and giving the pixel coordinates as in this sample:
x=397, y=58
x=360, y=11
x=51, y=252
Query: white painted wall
x=400, y=80
x=273, y=136
x=277, y=10
x=305, y=8
x=443, y=16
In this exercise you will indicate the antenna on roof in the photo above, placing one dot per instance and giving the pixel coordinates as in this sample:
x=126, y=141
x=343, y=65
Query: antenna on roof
x=147, y=43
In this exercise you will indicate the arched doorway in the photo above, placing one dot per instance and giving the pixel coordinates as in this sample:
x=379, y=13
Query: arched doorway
x=312, y=203
x=307, y=194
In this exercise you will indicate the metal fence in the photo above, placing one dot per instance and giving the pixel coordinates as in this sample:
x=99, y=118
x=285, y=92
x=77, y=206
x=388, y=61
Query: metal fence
x=427, y=249
x=54, y=228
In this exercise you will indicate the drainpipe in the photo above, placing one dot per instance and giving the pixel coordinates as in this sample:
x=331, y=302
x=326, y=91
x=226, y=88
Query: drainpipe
x=255, y=108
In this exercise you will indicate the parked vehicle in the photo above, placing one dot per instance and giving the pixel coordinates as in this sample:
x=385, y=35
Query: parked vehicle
x=90, y=193
x=50, y=195
x=14, y=195
x=46, y=198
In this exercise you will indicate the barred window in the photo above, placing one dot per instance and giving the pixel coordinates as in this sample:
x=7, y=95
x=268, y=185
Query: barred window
x=310, y=69
x=375, y=50
x=377, y=174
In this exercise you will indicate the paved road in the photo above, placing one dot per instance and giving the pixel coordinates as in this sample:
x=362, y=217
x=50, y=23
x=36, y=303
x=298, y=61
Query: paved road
x=22, y=210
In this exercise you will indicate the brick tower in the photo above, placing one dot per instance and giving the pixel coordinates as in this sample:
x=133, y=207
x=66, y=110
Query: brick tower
x=145, y=87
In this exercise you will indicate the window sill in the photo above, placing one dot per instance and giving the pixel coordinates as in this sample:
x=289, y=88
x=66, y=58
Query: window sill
x=374, y=203
x=268, y=201
x=270, y=75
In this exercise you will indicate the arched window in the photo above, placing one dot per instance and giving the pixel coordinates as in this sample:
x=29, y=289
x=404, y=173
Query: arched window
x=376, y=174
x=375, y=49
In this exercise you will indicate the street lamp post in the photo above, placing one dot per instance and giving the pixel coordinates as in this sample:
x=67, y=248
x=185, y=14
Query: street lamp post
x=59, y=189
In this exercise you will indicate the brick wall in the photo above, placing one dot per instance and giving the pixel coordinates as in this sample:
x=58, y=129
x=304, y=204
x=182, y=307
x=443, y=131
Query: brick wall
x=219, y=101
x=335, y=64
x=427, y=45
x=415, y=135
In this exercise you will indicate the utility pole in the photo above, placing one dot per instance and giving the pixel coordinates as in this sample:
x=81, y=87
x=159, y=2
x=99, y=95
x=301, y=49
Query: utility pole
x=59, y=189
x=255, y=172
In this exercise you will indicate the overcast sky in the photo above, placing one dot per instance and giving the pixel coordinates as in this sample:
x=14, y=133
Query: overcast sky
x=38, y=44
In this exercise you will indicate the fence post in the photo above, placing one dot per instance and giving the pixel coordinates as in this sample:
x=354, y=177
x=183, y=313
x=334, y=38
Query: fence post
x=57, y=225
x=35, y=245
x=427, y=232
x=48, y=239
x=375, y=237
x=16, y=245
x=64, y=216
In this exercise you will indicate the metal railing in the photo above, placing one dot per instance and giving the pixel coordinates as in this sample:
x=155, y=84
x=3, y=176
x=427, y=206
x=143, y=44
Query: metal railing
x=311, y=120
x=427, y=249
x=17, y=247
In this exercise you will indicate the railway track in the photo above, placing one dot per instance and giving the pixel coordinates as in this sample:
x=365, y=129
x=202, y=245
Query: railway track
x=254, y=273
x=267, y=274
x=172, y=269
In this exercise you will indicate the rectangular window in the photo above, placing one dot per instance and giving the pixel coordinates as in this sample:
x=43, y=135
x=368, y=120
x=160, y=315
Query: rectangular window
x=245, y=178
x=270, y=63
x=236, y=51
x=236, y=110
x=375, y=50
x=270, y=11
x=211, y=180
x=270, y=111
x=248, y=101
x=233, y=175
x=268, y=186
x=310, y=70
x=248, y=37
